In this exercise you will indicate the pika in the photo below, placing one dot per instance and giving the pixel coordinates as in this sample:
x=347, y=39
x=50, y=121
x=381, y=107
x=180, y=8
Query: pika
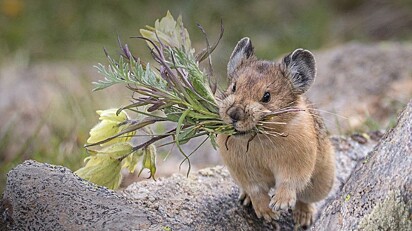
x=285, y=160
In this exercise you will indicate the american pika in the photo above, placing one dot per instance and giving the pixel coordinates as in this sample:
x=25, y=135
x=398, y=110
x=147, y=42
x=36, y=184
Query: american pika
x=284, y=160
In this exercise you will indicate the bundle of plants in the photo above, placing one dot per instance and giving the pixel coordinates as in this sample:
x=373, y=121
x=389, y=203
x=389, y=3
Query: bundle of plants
x=173, y=88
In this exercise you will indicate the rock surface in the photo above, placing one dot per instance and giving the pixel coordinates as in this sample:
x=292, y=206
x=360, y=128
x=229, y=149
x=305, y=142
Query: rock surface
x=378, y=194
x=43, y=197
x=362, y=83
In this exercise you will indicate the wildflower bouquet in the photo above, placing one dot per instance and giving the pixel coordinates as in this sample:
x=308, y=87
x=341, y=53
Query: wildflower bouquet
x=173, y=89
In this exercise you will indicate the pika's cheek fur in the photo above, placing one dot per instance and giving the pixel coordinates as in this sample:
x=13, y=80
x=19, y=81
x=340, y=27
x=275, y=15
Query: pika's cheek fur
x=224, y=105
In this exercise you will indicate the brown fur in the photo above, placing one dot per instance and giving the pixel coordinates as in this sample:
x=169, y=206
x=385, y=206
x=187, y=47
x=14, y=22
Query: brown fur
x=275, y=172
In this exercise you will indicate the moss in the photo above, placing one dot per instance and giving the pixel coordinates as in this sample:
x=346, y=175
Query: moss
x=390, y=214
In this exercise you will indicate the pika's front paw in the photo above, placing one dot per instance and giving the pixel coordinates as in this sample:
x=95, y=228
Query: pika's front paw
x=265, y=212
x=303, y=214
x=282, y=201
x=260, y=203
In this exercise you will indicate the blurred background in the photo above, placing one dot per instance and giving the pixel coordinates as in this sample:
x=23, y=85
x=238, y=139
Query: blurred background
x=48, y=49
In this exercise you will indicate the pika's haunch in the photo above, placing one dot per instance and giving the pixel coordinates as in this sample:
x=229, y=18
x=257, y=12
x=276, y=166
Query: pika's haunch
x=286, y=161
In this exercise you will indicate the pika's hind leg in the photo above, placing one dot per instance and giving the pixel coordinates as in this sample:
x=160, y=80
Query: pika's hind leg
x=303, y=214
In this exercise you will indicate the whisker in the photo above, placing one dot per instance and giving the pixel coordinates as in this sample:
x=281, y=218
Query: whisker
x=283, y=111
x=272, y=122
x=271, y=131
x=313, y=107
x=293, y=102
x=328, y=112
x=269, y=134
x=279, y=111
x=269, y=126
x=267, y=137
x=257, y=131
x=267, y=129
x=289, y=105
x=320, y=117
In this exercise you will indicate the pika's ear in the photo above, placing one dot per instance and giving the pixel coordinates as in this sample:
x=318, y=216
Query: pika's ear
x=242, y=52
x=302, y=70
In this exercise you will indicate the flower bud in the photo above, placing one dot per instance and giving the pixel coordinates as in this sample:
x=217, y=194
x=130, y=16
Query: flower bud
x=149, y=160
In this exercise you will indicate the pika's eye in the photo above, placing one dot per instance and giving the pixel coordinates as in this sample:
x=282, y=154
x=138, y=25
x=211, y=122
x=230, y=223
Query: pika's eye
x=266, y=97
x=234, y=87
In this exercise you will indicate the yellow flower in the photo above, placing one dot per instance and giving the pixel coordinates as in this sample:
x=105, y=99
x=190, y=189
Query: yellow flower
x=102, y=170
x=117, y=150
x=110, y=125
x=103, y=166
x=110, y=114
x=131, y=161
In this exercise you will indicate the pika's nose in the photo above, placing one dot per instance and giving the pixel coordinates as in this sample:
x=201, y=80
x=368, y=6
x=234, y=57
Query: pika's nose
x=236, y=114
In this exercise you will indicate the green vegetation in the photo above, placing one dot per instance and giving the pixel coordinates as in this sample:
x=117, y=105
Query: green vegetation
x=171, y=89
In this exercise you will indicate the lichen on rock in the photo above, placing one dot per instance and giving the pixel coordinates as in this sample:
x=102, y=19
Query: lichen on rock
x=390, y=214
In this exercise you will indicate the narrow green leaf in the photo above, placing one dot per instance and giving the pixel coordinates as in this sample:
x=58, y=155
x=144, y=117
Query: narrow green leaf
x=185, y=134
x=178, y=129
x=212, y=138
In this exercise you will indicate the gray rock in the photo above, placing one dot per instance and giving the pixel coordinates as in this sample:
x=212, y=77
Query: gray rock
x=45, y=197
x=362, y=83
x=378, y=194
